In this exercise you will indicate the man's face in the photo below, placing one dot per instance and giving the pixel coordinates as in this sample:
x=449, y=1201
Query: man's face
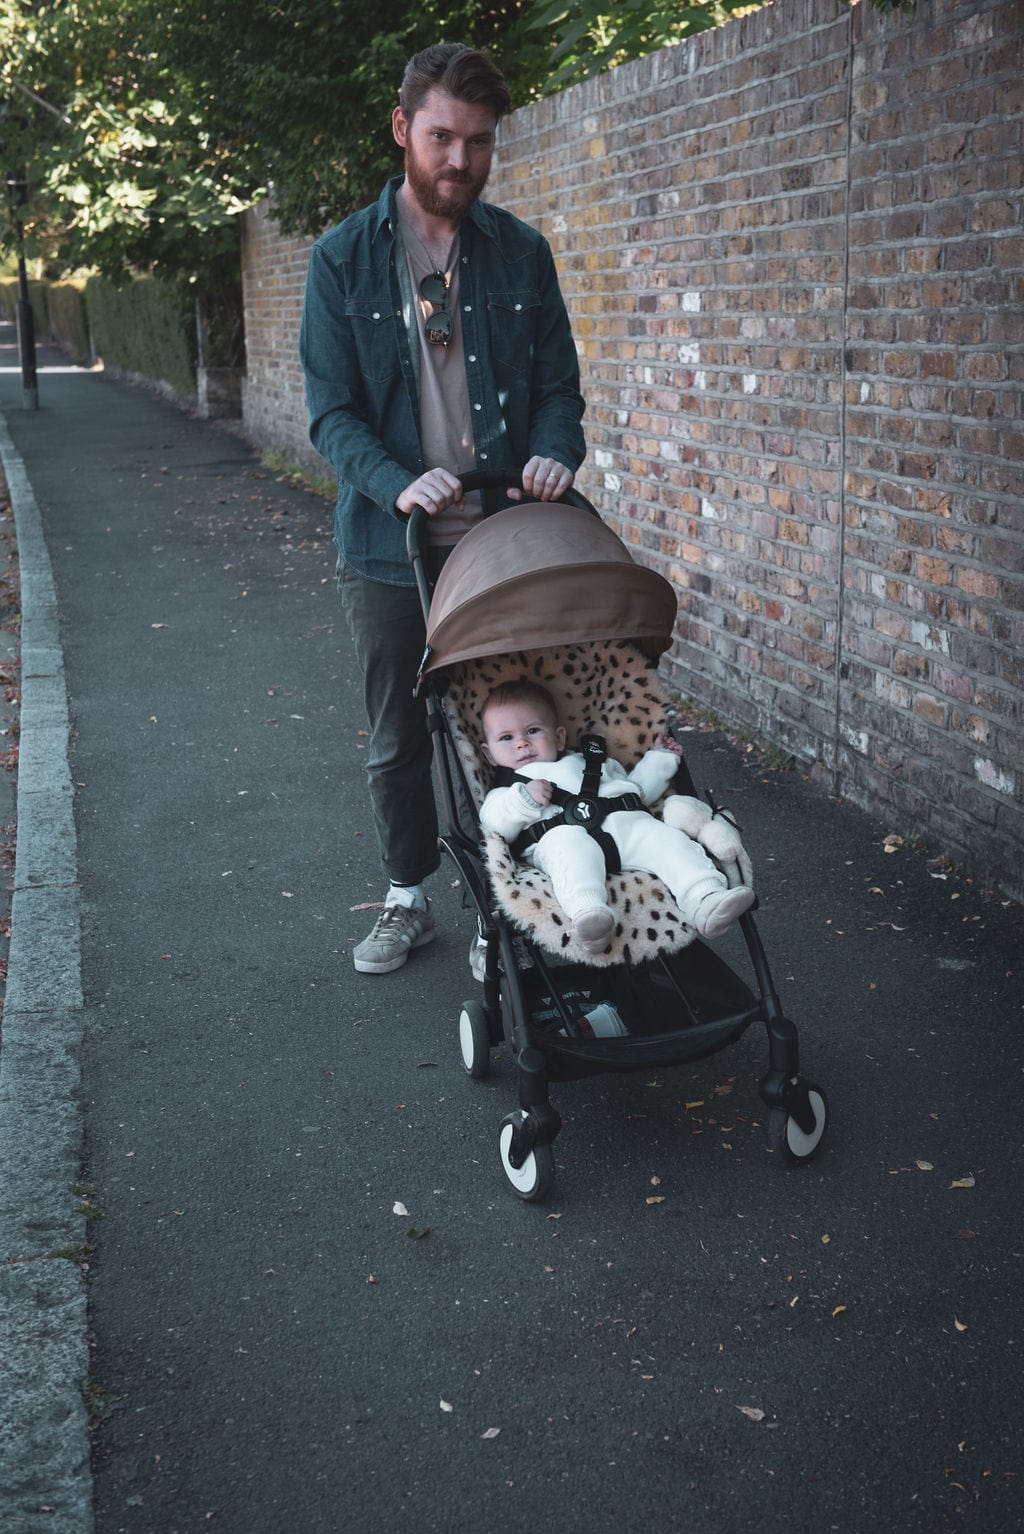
x=448, y=147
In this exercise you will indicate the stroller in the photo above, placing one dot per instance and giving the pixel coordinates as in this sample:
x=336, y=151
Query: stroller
x=658, y=996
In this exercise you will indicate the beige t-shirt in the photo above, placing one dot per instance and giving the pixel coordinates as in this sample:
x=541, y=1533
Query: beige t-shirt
x=445, y=428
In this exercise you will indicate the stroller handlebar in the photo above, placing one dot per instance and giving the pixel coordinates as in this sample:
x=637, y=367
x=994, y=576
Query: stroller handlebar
x=483, y=479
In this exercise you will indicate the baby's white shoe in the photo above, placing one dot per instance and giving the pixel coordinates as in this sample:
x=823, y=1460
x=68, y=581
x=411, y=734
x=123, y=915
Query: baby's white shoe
x=594, y=928
x=717, y=911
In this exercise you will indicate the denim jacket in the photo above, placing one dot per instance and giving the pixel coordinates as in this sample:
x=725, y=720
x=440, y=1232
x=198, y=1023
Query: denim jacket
x=521, y=368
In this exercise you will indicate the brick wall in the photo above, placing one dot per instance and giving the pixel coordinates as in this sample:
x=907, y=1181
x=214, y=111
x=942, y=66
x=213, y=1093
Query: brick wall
x=273, y=397
x=792, y=251
x=933, y=616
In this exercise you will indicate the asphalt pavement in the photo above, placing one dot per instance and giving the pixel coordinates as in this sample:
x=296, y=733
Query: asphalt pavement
x=215, y=1313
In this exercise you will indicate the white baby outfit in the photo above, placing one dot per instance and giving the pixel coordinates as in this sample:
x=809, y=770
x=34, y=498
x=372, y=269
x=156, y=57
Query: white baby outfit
x=573, y=859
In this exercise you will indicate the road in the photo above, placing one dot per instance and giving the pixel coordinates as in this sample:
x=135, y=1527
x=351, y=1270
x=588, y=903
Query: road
x=687, y=1333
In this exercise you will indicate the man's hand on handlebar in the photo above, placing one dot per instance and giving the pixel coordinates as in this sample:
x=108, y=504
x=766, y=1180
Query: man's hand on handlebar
x=544, y=479
x=435, y=491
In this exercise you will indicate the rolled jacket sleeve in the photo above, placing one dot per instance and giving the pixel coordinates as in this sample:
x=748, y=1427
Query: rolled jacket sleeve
x=341, y=424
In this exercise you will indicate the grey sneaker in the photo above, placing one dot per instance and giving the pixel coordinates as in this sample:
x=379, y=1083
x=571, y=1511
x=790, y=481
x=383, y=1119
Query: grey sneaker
x=396, y=930
x=478, y=958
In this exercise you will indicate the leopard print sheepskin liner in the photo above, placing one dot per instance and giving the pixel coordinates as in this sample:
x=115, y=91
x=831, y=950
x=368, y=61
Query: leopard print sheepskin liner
x=611, y=689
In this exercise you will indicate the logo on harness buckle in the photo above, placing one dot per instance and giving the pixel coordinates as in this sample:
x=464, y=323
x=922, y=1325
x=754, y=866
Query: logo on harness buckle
x=583, y=810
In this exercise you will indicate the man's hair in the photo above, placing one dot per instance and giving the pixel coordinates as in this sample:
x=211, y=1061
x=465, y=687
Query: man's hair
x=521, y=690
x=465, y=73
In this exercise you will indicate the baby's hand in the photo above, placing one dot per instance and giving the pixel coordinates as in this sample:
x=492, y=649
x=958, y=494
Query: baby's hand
x=668, y=743
x=540, y=790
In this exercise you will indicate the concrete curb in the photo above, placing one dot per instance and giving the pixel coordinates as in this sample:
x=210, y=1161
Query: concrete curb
x=45, y=1481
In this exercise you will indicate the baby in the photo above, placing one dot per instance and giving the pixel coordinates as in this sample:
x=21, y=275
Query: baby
x=522, y=733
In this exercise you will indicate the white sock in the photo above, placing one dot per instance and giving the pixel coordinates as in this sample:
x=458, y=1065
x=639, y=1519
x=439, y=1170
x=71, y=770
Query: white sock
x=412, y=896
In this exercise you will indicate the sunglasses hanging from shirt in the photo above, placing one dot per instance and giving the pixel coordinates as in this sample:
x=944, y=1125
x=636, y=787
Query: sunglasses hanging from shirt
x=434, y=290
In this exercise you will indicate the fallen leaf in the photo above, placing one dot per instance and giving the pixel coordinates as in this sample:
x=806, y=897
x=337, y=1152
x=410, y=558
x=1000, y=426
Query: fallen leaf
x=698, y=1104
x=399, y=1209
x=959, y=1325
x=370, y=1279
x=963, y=1182
x=924, y=1166
x=490, y=1432
x=826, y=1240
x=446, y=1406
x=839, y=1310
x=657, y=1198
x=417, y=1235
x=655, y=1182
x=753, y=1412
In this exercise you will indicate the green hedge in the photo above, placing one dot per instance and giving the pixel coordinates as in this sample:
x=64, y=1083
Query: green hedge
x=37, y=298
x=146, y=327
x=68, y=324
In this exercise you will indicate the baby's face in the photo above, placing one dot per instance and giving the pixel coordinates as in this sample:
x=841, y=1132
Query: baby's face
x=518, y=733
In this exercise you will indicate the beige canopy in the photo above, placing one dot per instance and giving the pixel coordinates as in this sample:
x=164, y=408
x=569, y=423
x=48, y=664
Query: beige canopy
x=539, y=575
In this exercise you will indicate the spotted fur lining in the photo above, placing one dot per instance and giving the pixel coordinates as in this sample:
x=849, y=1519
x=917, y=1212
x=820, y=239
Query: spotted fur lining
x=609, y=688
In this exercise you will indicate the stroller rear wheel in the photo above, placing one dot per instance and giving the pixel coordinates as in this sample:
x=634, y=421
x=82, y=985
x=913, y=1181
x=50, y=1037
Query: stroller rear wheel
x=475, y=1039
x=799, y=1143
x=534, y=1179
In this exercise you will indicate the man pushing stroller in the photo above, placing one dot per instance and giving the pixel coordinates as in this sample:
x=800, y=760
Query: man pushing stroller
x=435, y=343
x=565, y=819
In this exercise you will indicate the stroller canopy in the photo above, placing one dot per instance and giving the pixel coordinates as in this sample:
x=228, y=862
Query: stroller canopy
x=538, y=575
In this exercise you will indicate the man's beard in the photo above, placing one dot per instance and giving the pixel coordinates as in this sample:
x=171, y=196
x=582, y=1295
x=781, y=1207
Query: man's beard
x=447, y=198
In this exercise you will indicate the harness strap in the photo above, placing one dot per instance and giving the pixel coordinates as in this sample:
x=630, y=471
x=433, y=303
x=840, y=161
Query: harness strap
x=586, y=809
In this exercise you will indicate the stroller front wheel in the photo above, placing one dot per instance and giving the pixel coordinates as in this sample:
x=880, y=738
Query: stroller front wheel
x=534, y=1179
x=785, y=1134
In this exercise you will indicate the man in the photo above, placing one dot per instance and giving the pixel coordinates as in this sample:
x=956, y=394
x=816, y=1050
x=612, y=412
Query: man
x=434, y=340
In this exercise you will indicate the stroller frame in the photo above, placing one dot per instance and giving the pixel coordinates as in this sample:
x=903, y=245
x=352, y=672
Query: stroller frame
x=797, y=1108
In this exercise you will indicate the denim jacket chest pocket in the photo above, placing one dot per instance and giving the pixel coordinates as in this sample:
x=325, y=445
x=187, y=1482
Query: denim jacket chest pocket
x=513, y=315
x=373, y=332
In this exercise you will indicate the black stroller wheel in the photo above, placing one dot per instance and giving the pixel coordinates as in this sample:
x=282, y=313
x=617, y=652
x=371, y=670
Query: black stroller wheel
x=533, y=1181
x=475, y=1040
x=786, y=1135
